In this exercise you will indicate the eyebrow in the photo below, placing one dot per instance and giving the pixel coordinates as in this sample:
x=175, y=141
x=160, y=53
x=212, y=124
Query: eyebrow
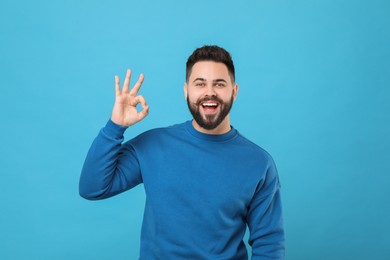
x=215, y=80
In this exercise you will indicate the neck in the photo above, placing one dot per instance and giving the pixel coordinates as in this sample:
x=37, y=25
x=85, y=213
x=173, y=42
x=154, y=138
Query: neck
x=221, y=129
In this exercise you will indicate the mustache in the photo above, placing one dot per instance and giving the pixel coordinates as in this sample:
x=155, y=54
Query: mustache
x=209, y=98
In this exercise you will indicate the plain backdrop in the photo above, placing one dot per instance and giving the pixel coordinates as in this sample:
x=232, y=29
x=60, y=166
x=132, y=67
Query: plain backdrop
x=314, y=81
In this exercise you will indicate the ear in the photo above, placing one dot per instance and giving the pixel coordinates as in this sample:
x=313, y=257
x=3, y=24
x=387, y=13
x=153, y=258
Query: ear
x=235, y=91
x=185, y=90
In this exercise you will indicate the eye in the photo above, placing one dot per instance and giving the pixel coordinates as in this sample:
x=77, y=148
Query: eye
x=220, y=85
x=200, y=84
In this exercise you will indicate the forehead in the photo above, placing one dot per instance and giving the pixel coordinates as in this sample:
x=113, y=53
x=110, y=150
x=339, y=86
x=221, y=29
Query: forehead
x=209, y=70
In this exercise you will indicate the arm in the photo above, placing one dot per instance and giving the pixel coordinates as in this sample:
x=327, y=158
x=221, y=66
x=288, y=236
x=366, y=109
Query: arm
x=110, y=167
x=265, y=220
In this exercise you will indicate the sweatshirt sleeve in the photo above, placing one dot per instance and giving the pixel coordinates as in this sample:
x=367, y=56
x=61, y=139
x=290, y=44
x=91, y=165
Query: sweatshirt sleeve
x=110, y=167
x=265, y=220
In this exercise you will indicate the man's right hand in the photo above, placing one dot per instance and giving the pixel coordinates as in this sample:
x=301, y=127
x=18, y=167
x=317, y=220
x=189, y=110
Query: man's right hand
x=125, y=112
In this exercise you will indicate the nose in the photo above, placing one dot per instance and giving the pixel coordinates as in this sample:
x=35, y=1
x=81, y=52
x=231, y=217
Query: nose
x=210, y=91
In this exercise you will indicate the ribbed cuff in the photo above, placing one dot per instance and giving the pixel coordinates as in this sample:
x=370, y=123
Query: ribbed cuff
x=114, y=130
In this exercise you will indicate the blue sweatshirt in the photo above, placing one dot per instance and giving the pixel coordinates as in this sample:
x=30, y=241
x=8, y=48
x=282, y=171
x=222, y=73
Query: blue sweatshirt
x=201, y=191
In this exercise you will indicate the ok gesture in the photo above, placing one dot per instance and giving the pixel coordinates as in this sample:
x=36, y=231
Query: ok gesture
x=125, y=112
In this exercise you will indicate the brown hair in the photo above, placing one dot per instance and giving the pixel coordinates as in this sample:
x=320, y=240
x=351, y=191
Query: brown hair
x=210, y=53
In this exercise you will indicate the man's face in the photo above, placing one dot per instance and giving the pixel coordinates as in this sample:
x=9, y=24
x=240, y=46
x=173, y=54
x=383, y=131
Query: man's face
x=210, y=92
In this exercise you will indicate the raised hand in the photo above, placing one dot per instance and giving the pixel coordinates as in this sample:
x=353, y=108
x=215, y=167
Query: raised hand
x=125, y=112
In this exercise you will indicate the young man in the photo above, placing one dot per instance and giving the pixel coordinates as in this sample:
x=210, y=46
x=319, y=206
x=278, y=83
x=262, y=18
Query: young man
x=204, y=182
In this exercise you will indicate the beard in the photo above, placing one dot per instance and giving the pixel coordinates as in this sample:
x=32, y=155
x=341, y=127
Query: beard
x=210, y=122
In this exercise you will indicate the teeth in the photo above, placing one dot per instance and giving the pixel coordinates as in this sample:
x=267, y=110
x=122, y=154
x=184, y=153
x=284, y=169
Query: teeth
x=210, y=104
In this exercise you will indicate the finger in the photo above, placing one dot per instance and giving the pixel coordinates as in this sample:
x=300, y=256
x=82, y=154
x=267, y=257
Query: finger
x=145, y=108
x=137, y=85
x=141, y=100
x=143, y=113
x=138, y=100
x=126, y=84
x=117, y=86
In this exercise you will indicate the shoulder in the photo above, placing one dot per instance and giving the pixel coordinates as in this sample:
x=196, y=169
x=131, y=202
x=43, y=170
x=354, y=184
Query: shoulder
x=254, y=149
x=172, y=129
x=158, y=134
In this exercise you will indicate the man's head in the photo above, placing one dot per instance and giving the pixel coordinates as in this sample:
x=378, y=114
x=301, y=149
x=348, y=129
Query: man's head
x=210, y=53
x=210, y=88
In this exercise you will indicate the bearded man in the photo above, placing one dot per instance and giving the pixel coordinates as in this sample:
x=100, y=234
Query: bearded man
x=204, y=182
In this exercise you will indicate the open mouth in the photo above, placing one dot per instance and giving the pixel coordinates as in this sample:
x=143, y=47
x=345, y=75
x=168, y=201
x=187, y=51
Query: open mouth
x=209, y=106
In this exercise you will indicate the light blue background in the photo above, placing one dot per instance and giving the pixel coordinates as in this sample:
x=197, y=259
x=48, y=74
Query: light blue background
x=314, y=82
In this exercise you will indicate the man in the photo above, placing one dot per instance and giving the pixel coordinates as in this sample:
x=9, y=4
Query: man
x=204, y=182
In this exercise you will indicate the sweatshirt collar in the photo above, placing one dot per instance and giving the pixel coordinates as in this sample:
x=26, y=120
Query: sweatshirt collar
x=209, y=137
